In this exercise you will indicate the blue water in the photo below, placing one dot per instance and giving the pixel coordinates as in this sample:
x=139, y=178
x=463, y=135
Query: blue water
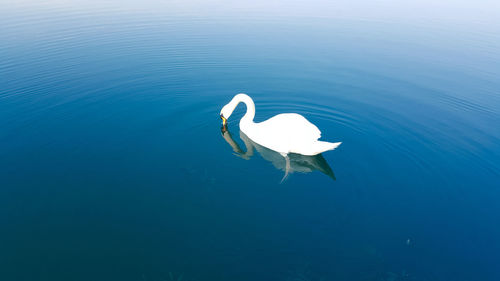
x=113, y=165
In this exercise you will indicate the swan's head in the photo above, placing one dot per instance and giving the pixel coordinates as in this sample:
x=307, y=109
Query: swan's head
x=225, y=113
x=228, y=109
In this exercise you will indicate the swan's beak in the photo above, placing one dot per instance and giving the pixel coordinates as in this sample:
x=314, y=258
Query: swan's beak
x=224, y=120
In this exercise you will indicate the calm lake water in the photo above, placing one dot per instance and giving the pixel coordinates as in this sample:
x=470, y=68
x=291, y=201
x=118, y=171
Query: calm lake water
x=113, y=165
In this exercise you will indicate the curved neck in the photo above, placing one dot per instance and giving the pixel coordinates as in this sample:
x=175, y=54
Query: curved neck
x=250, y=114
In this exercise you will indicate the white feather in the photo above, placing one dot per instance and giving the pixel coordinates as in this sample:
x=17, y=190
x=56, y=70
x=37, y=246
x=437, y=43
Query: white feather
x=284, y=133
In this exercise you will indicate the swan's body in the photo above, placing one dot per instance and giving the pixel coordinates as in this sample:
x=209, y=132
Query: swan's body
x=283, y=133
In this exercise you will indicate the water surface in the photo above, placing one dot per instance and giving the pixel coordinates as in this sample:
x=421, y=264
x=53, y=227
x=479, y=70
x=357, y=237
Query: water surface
x=113, y=165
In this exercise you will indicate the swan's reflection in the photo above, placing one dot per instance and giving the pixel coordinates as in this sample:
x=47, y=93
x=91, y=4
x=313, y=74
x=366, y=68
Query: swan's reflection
x=289, y=163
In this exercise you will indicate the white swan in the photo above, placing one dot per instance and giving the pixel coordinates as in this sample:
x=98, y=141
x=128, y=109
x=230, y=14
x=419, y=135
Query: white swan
x=283, y=133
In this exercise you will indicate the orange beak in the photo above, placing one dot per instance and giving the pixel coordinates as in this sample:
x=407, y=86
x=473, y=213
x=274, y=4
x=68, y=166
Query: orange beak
x=224, y=120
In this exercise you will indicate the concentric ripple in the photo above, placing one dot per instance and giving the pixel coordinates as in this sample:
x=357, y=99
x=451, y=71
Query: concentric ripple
x=113, y=167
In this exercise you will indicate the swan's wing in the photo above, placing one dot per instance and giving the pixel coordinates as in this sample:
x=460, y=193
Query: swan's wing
x=286, y=133
x=291, y=126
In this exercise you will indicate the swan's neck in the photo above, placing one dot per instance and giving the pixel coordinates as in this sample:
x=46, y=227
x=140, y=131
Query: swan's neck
x=250, y=114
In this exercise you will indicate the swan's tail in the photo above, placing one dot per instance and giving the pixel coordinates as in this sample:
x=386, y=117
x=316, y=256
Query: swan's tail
x=320, y=146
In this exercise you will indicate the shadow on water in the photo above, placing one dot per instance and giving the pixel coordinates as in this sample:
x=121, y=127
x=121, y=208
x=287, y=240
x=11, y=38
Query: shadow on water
x=290, y=163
